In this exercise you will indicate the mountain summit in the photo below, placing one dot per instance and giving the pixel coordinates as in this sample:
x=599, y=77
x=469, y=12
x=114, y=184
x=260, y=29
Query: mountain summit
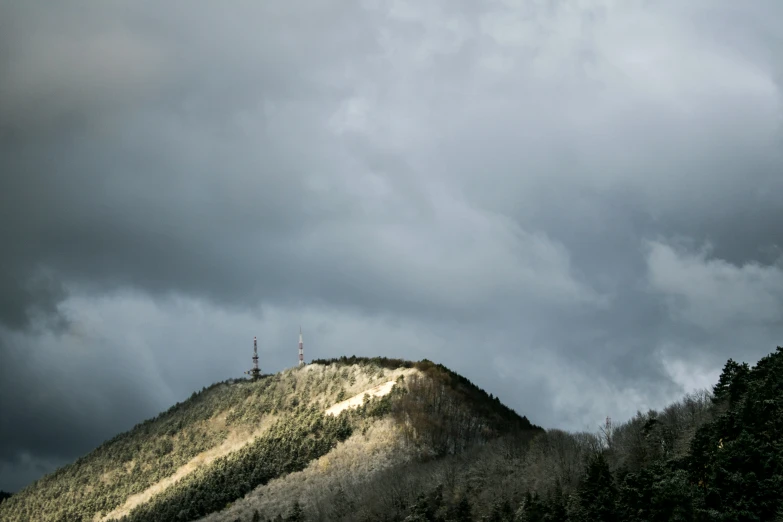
x=253, y=449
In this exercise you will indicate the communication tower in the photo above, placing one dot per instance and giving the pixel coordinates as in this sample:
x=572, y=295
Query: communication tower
x=255, y=372
x=301, y=348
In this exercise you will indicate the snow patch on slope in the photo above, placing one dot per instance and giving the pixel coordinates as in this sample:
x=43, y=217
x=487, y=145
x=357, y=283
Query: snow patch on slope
x=235, y=441
x=376, y=391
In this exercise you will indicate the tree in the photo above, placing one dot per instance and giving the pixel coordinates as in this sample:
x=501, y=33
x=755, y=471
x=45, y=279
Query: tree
x=732, y=382
x=657, y=494
x=342, y=504
x=556, y=505
x=427, y=506
x=296, y=514
x=737, y=459
x=597, y=493
x=461, y=512
x=501, y=512
x=533, y=510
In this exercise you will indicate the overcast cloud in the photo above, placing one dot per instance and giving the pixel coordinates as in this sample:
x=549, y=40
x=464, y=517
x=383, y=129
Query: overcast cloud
x=574, y=204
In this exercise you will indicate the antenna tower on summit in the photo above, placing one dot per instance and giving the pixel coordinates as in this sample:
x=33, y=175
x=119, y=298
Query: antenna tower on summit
x=255, y=372
x=301, y=348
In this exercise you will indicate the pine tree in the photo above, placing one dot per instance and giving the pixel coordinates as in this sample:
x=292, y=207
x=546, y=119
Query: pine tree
x=533, y=509
x=597, y=493
x=296, y=514
x=426, y=506
x=732, y=382
x=556, y=506
x=461, y=512
x=501, y=512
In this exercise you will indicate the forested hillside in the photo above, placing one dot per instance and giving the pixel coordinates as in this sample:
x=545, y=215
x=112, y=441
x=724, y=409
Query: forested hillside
x=710, y=457
x=234, y=436
x=435, y=448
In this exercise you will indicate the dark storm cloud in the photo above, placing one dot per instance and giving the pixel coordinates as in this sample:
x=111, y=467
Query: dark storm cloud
x=59, y=401
x=576, y=207
x=145, y=191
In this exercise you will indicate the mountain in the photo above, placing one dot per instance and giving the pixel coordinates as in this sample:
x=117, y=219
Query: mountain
x=221, y=443
x=379, y=439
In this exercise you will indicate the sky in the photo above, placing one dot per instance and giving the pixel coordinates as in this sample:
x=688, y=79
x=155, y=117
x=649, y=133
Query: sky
x=575, y=204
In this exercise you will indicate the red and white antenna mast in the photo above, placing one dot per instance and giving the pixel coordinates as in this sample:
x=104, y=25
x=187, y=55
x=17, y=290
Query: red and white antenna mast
x=301, y=348
x=255, y=372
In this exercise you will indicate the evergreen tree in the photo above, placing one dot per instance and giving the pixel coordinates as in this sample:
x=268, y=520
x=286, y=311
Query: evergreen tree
x=296, y=514
x=597, y=493
x=657, y=494
x=427, y=506
x=737, y=460
x=732, y=382
x=461, y=512
x=556, y=508
x=501, y=512
x=532, y=510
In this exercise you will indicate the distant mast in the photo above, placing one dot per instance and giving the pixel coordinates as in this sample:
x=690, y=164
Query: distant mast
x=255, y=372
x=301, y=348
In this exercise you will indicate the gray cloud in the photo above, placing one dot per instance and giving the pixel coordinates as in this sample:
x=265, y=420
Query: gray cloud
x=520, y=190
x=713, y=294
